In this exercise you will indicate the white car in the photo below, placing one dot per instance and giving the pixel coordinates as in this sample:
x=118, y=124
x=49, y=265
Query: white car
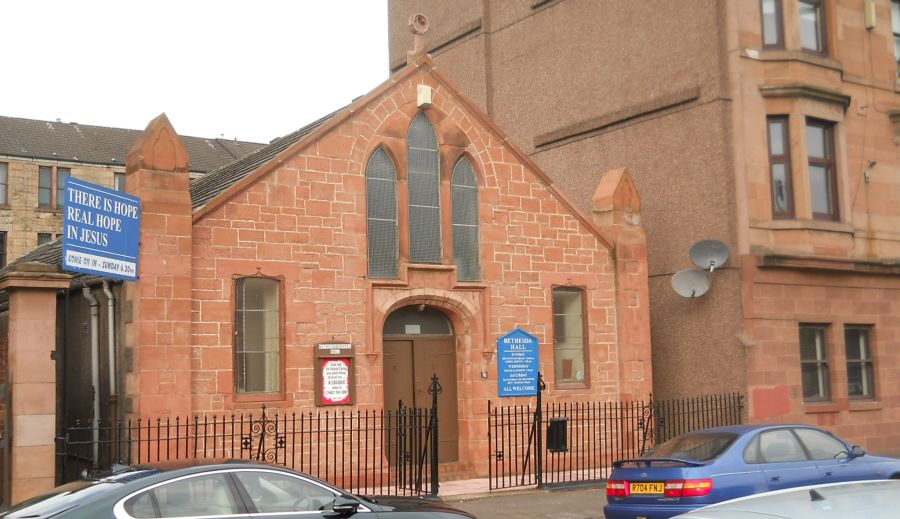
x=851, y=500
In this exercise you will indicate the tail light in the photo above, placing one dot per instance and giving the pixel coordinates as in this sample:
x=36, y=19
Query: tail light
x=687, y=487
x=616, y=488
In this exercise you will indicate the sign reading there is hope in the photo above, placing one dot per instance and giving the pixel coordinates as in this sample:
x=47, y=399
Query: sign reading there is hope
x=101, y=231
x=517, y=357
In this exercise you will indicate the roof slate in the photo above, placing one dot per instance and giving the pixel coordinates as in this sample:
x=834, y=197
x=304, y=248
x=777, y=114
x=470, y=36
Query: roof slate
x=212, y=184
x=45, y=140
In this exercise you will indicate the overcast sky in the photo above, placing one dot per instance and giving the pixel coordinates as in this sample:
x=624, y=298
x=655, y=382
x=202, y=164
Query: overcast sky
x=251, y=70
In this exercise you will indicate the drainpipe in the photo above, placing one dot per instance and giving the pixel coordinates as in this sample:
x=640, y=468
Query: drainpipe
x=111, y=356
x=95, y=368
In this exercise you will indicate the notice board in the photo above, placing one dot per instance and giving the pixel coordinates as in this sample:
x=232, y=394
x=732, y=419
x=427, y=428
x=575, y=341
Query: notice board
x=517, y=357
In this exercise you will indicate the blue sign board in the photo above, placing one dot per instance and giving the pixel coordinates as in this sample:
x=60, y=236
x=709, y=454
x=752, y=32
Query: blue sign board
x=517, y=356
x=101, y=231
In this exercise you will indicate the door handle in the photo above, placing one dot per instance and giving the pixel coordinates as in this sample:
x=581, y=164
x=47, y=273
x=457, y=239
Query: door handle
x=776, y=478
x=829, y=473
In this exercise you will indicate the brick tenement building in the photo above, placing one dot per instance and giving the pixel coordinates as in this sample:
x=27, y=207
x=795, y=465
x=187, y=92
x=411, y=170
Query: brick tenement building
x=771, y=125
x=404, y=226
x=37, y=156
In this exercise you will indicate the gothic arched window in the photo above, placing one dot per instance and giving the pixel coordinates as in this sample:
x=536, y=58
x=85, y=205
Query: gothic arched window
x=381, y=203
x=424, y=183
x=464, y=191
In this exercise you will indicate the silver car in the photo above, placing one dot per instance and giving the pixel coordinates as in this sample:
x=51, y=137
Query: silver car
x=852, y=500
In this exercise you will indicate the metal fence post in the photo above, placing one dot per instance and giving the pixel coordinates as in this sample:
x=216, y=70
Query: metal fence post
x=539, y=428
x=434, y=391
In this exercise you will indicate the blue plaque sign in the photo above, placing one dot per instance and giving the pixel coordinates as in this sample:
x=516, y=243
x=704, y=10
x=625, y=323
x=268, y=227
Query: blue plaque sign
x=101, y=231
x=517, y=356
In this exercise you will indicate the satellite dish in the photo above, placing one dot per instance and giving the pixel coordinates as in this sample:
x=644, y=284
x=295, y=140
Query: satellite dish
x=690, y=282
x=710, y=254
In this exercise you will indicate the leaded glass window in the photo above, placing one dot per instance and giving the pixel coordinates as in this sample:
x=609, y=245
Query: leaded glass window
x=465, y=221
x=381, y=203
x=424, y=192
x=257, y=329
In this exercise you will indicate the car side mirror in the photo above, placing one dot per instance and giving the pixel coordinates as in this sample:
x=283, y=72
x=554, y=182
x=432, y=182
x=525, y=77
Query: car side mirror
x=857, y=451
x=344, y=506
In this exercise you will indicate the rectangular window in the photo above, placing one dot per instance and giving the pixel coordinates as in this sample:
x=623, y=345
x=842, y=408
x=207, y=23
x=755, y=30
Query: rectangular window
x=814, y=363
x=860, y=371
x=119, y=179
x=45, y=186
x=2, y=249
x=822, y=181
x=812, y=26
x=780, y=167
x=52, y=186
x=895, y=24
x=44, y=237
x=257, y=330
x=568, y=334
x=770, y=13
x=4, y=183
x=62, y=174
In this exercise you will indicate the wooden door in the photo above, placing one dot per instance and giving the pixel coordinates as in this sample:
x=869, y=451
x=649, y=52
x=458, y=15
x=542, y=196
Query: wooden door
x=408, y=367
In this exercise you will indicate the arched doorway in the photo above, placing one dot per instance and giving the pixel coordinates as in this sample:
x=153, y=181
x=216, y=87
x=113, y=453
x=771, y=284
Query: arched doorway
x=419, y=342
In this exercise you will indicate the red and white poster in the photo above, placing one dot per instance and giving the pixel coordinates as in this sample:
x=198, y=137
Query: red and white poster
x=335, y=381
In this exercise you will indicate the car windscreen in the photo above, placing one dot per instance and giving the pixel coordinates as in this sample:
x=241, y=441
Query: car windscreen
x=696, y=447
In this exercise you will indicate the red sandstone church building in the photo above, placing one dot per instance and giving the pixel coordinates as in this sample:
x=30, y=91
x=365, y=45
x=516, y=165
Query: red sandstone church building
x=404, y=229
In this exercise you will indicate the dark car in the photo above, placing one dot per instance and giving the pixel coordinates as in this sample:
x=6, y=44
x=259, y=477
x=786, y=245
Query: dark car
x=239, y=490
x=704, y=467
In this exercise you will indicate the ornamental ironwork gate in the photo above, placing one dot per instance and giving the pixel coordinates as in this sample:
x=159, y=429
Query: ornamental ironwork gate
x=571, y=442
x=376, y=452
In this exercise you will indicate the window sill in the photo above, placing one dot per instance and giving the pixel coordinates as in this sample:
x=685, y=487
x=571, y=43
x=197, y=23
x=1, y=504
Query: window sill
x=562, y=386
x=865, y=405
x=820, y=407
x=256, y=400
x=57, y=210
x=800, y=56
x=804, y=225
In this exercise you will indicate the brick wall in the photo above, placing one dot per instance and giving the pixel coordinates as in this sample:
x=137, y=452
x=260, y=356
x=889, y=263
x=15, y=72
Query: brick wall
x=304, y=223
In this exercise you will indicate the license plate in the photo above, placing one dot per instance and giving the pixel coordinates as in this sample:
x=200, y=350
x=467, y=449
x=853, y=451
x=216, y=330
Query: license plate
x=648, y=488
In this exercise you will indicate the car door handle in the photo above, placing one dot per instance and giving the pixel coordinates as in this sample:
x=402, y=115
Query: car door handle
x=829, y=473
x=776, y=478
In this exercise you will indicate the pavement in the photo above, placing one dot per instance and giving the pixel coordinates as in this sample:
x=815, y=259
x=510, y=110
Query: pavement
x=581, y=501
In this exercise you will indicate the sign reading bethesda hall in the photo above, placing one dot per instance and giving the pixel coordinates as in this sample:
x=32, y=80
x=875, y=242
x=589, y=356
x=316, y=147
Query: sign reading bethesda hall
x=517, y=357
x=101, y=231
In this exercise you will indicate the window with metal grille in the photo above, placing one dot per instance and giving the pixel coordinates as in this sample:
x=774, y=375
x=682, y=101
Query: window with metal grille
x=424, y=192
x=814, y=363
x=2, y=248
x=464, y=190
x=257, y=330
x=381, y=203
x=44, y=237
x=119, y=180
x=860, y=370
x=568, y=334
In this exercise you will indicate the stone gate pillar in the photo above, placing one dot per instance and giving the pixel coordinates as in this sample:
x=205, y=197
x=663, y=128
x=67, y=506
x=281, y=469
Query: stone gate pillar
x=617, y=210
x=32, y=289
x=158, y=318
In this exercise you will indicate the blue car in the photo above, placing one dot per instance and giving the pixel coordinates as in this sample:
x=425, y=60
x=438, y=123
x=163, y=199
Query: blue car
x=699, y=468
